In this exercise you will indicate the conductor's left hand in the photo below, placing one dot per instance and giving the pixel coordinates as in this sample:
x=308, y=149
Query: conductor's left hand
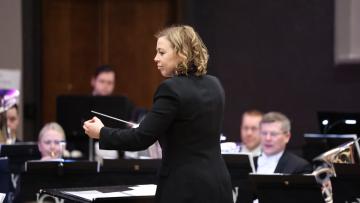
x=92, y=127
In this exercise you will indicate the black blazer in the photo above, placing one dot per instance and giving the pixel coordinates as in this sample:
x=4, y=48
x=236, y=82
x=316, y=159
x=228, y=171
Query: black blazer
x=186, y=118
x=290, y=163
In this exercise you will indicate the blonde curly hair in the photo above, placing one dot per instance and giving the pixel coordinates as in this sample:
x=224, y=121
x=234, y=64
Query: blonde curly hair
x=189, y=46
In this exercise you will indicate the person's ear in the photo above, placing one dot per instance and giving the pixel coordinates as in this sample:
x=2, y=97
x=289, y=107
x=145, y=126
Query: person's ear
x=288, y=136
x=39, y=146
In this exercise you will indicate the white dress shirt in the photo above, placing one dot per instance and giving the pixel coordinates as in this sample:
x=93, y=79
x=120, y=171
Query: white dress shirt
x=234, y=148
x=255, y=152
x=267, y=164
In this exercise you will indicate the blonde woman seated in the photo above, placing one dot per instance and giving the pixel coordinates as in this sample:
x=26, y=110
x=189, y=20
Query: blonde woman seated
x=51, y=142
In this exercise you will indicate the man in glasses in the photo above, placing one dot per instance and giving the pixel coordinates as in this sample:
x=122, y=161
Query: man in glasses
x=275, y=134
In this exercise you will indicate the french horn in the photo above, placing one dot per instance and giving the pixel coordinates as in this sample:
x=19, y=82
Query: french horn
x=347, y=153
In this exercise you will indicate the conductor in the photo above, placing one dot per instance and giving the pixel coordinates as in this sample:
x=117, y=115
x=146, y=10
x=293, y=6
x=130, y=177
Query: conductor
x=186, y=118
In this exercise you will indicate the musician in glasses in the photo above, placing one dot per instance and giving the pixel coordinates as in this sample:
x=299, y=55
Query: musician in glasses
x=275, y=134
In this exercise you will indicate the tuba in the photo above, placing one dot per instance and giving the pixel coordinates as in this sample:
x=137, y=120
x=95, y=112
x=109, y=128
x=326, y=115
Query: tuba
x=8, y=98
x=347, y=153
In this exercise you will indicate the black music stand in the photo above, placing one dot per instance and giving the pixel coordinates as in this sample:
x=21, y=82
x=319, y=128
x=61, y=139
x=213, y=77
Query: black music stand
x=61, y=167
x=346, y=184
x=5, y=178
x=55, y=174
x=131, y=165
x=19, y=153
x=73, y=110
x=287, y=188
x=239, y=166
x=130, y=171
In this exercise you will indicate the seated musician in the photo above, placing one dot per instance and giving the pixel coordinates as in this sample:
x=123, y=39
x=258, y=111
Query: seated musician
x=249, y=134
x=275, y=134
x=51, y=141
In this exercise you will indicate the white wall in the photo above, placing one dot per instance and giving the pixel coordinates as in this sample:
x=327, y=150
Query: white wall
x=347, y=31
x=11, y=41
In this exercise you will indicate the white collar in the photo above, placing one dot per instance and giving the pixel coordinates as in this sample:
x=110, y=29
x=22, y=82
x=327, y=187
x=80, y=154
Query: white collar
x=254, y=152
x=273, y=157
x=267, y=164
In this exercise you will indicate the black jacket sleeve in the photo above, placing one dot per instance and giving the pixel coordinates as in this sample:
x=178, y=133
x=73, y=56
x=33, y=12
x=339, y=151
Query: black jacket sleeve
x=155, y=124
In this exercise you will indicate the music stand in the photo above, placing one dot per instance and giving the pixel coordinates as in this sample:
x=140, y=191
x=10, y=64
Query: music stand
x=5, y=178
x=55, y=174
x=19, y=153
x=130, y=171
x=281, y=188
x=346, y=184
x=73, y=110
x=62, y=167
x=131, y=165
x=239, y=166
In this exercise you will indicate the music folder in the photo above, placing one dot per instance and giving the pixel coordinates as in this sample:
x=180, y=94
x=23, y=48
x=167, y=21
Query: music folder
x=282, y=188
x=239, y=166
x=240, y=161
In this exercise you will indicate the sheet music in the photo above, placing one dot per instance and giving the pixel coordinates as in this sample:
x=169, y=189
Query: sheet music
x=2, y=196
x=142, y=190
x=139, y=190
x=89, y=194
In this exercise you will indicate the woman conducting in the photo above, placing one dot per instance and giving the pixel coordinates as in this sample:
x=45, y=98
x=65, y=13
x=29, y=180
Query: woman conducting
x=186, y=119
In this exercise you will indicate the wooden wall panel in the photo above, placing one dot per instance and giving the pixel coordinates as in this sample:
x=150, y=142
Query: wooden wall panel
x=79, y=35
x=70, y=49
x=130, y=46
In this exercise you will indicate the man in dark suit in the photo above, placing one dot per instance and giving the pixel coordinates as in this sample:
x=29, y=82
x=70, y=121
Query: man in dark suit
x=275, y=134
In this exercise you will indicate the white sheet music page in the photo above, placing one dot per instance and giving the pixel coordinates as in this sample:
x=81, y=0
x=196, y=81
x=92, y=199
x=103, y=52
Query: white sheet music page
x=138, y=190
x=2, y=197
x=93, y=194
x=142, y=190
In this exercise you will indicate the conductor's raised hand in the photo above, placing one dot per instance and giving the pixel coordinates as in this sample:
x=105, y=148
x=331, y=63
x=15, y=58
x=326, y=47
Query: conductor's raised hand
x=92, y=127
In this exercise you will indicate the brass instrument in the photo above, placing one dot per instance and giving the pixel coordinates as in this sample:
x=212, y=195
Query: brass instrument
x=52, y=154
x=347, y=153
x=8, y=98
